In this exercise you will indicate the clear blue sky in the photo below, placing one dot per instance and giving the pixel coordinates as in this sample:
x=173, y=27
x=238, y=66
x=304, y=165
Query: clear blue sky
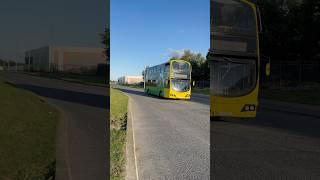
x=36, y=23
x=145, y=32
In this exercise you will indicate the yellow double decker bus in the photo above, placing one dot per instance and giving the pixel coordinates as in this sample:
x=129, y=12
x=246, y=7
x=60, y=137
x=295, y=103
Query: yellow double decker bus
x=169, y=80
x=234, y=58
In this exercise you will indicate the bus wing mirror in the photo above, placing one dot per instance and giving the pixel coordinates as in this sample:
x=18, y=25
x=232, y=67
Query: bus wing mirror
x=268, y=69
x=193, y=83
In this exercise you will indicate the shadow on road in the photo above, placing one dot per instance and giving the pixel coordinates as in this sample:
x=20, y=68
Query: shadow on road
x=135, y=92
x=142, y=93
x=304, y=125
x=94, y=100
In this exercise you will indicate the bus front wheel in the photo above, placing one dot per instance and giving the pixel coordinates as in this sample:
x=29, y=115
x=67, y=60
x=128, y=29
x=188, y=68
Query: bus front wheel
x=215, y=118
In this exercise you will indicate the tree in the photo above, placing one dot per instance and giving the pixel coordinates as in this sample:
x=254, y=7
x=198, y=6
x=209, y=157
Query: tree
x=106, y=42
x=188, y=55
x=291, y=29
x=309, y=28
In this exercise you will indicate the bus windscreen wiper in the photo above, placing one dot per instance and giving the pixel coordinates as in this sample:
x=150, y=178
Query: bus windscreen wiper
x=230, y=60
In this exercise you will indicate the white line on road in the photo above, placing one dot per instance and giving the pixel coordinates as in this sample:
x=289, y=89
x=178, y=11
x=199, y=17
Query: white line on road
x=134, y=142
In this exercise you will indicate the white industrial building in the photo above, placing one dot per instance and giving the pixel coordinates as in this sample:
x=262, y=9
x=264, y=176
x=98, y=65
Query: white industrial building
x=130, y=80
x=58, y=58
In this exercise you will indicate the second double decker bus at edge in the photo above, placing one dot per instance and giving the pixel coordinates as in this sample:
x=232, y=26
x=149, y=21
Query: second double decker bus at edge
x=169, y=80
x=234, y=58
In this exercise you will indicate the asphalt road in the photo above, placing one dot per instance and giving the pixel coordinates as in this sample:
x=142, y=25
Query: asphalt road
x=172, y=137
x=82, y=133
x=275, y=145
x=172, y=142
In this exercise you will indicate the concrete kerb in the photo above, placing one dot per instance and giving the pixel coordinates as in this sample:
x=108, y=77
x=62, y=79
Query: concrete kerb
x=11, y=83
x=131, y=158
x=63, y=167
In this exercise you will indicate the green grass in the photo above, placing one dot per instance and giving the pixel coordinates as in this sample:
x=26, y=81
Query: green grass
x=118, y=108
x=297, y=96
x=117, y=154
x=118, y=121
x=205, y=91
x=134, y=86
x=27, y=135
x=79, y=78
x=304, y=93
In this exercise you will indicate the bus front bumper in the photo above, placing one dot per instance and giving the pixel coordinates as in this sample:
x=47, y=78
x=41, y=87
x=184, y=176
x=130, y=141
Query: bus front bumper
x=239, y=110
x=179, y=95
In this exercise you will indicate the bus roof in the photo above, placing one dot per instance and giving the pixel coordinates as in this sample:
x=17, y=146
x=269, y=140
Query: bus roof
x=147, y=67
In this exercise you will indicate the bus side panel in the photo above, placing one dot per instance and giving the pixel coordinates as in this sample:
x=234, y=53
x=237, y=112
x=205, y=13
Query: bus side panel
x=166, y=93
x=156, y=90
x=153, y=90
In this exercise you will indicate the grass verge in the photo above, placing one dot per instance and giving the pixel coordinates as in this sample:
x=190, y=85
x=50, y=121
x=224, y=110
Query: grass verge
x=118, y=122
x=27, y=135
x=307, y=93
x=134, y=86
x=296, y=96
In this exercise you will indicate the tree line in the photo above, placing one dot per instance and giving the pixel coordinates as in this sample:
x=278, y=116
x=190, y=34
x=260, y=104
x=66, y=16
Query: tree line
x=11, y=63
x=291, y=29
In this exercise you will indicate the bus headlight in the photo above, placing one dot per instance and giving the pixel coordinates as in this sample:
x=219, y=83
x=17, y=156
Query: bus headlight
x=248, y=107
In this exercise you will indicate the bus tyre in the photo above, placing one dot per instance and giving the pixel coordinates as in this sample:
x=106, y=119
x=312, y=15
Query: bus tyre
x=215, y=118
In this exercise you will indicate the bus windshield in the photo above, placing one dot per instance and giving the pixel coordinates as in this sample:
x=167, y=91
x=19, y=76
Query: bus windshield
x=180, y=76
x=231, y=16
x=180, y=85
x=180, y=70
x=232, y=78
